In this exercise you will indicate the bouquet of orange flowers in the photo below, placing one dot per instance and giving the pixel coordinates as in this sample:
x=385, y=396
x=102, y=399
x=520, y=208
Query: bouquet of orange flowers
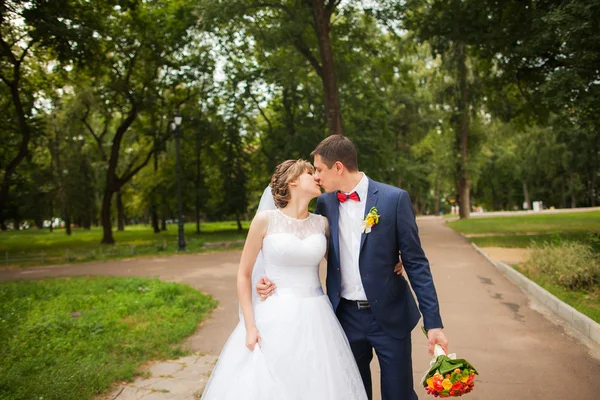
x=448, y=376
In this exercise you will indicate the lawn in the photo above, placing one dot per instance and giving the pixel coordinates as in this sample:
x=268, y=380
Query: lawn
x=541, y=223
x=35, y=247
x=585, y=301
x=522, y=231
x=524, y=241
x=72, y=338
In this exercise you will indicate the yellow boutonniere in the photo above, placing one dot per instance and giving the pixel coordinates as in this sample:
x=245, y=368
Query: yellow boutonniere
x=370, y=220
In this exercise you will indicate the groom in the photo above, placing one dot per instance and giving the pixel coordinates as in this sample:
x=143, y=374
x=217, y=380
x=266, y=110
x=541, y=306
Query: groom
x=373, y=304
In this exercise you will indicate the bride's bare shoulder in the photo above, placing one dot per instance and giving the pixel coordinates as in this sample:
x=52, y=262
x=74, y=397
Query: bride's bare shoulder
x=260, y=221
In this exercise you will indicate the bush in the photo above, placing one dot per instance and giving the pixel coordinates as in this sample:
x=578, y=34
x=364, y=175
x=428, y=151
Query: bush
x=569, y=264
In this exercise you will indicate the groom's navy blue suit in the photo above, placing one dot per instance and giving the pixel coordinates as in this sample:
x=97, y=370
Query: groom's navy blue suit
x=393, y=312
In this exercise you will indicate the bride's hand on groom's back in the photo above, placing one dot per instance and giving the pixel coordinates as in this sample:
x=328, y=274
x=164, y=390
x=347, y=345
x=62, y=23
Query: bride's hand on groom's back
x=265, y=288
x=399, y=268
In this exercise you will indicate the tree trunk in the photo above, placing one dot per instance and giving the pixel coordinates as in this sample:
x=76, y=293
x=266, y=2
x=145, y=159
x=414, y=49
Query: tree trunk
x=526, y=195
x=154, y=218
x=436, y=196
x=62, y=195
x=198, y=182
x=153, y=205
x=464, y=203
x=87, y=222
x=563, y=192
x=67, y=221
x=416, y=205
x=163, y=219
x=120, y=213
x=463, y=181
x=23, y=147
x=322, y=15
x=51, y=229
x=572, y=189
x=239, y=222
x=594, y=190
x=113, y=183
x=594, y=174
x=107, y=235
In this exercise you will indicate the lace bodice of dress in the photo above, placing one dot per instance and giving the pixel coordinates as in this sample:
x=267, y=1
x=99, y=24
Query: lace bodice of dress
x=293, y=249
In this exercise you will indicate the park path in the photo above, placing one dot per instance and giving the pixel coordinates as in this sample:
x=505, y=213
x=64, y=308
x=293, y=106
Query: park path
x=519, y=353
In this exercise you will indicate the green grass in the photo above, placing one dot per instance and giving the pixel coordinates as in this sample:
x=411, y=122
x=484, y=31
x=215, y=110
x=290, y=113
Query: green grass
x=586, y=301
x=73, y=338
x=25, y=248
x=541, y=223
x=524, y=241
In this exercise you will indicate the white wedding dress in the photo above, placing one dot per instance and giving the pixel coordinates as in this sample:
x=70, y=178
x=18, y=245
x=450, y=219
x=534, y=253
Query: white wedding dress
x=305, y=354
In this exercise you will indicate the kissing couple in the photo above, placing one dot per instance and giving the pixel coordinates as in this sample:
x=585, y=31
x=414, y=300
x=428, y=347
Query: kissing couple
x=299, y=343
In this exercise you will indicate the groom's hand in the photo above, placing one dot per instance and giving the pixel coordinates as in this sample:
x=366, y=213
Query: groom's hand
x=265, y=288
x=437, y=336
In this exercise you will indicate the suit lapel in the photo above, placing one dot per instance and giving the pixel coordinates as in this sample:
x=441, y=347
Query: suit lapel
x=371, y=202
x=334, y=222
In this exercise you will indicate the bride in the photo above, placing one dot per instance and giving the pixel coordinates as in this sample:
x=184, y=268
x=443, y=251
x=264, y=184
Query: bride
x=290, y=346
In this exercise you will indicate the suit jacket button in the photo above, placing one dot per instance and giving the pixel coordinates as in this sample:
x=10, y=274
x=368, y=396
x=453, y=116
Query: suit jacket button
x=338, y=294
x=375, y=301
x=338, y=269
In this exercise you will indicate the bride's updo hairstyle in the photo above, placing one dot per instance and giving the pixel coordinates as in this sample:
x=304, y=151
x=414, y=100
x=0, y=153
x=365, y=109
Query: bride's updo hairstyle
x=286, y=172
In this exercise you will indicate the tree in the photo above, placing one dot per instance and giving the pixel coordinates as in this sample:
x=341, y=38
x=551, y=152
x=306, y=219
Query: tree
x=296, y=23
x=151, y=36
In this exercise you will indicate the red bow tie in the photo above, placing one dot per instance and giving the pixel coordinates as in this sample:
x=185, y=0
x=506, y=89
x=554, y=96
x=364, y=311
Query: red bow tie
x=342, y=197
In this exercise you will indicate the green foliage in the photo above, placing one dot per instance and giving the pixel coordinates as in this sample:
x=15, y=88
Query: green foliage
x=100, y=81
x=570, y=264
x=72, y=338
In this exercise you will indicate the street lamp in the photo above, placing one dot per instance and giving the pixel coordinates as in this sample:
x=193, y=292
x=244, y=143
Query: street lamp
x=175, y=127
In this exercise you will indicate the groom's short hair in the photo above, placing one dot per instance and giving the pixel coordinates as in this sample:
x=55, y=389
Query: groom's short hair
x=337, y=148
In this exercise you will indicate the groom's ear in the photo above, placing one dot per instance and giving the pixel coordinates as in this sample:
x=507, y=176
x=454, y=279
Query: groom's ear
x=338, y=167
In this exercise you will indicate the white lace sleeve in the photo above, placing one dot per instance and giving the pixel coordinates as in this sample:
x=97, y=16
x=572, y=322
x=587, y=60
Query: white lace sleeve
x=325, y=226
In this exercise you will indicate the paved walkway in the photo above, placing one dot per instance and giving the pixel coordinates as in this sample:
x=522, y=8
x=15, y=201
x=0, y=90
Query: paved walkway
x=519, y=353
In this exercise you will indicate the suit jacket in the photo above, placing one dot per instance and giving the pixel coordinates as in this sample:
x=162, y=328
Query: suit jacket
x=392, y=302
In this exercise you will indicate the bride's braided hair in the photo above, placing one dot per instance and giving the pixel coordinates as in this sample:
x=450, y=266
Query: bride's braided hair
x=286, y=172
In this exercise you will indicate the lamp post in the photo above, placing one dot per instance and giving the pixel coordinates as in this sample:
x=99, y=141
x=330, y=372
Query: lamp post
x=175, y=127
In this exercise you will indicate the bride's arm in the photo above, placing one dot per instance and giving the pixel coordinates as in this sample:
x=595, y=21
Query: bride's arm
x=327, y=235
x=256, y=233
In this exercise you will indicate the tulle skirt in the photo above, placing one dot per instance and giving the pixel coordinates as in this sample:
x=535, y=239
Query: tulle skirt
x=304, y=355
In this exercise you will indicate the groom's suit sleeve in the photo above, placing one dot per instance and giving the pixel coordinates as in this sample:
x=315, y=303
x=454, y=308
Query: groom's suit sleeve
x=416, y=263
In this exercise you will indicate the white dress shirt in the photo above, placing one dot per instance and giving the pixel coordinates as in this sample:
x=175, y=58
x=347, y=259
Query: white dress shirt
x=351, y=215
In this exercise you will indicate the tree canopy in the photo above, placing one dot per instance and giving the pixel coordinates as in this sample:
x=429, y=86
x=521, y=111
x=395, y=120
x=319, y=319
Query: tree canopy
x=476, y=103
